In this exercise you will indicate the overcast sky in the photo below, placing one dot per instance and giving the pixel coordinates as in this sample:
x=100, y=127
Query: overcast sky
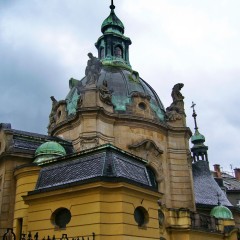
x=43, y=43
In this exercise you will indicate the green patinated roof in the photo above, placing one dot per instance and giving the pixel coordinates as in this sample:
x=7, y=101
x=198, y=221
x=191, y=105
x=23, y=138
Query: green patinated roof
x=197, y=137
x=48, y=150
x=221, y=212
x=123, y=83
x=112, y=24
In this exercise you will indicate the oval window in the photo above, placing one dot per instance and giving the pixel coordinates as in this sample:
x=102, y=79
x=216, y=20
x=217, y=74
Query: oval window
x=142, y=105
x=141, y=216
x=61, y=217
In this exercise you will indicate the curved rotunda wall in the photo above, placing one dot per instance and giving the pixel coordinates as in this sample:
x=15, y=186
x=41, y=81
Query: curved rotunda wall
x=112, y=104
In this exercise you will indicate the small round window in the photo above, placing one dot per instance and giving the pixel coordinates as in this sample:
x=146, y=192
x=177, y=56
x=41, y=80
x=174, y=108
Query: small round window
x=141, y=216
x=61, y=217
x=142, y=105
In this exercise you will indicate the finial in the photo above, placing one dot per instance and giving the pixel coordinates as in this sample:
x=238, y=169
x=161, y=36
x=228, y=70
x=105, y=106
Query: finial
x=112, y=7
x=194, y=115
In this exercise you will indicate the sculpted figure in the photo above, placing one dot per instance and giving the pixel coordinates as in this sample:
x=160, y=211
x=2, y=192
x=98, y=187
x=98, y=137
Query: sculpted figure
x=52, y=116
x=176, y=109
x=93, y=69
x=105, y=94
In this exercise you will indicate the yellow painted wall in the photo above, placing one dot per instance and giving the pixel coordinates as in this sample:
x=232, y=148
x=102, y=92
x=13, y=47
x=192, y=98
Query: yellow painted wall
x=107, y=209
x=26, y=179
x=104, y=208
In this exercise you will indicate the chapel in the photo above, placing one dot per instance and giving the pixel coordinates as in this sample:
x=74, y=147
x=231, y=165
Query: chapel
x=115, y=164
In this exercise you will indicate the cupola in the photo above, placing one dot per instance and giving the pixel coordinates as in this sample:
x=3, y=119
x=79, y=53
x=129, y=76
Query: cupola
x=112, y=23
x=48, y=151
x=113, y=46
x=221, y=212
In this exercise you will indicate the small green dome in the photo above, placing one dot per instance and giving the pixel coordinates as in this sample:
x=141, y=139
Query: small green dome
x=112, y=24
x=197, y=137
x=221, y=212
x=48, y=150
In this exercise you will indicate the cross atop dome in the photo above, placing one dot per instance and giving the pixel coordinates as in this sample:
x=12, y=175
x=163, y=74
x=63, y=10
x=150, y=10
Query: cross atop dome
x=194, y=115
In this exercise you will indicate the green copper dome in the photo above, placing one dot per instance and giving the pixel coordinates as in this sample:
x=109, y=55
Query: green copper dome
x=47, y=151
x=112, y=23
x=197, y=137
x=221, y=212
x=124, y=85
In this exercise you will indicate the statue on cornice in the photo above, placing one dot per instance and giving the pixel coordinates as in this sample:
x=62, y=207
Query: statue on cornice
x=176, y=109
x=52, y=116
x=93, y=69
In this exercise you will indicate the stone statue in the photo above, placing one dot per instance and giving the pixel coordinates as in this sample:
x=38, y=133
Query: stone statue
x=176, y=109
x=105, y=94
x=93, y=69
x=52, y=116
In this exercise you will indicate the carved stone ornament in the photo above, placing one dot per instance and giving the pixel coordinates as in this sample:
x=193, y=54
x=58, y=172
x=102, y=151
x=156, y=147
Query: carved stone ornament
x=105, y=94
x=147, y=145
x=176, y=109
x=93, y=69
x=142, y=95
x=80, y=101
x=89, y=142
x=53, y=114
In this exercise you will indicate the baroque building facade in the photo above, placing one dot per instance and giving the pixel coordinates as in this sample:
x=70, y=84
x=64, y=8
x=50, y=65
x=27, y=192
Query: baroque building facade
x=115, y=163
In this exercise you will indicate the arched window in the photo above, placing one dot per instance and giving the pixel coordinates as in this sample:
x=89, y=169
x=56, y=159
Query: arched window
x=118, y=52
x=152, y=178
x=102, y=53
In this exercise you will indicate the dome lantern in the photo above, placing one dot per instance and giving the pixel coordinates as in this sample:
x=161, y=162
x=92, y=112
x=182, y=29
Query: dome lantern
x=199, y=150
x=113, y=46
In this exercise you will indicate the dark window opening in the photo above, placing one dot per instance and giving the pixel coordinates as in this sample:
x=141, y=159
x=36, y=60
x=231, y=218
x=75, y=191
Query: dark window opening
x=118, y=52
x=141, y=216
x=19, y=228
x=102, y=53
x=61, y=217
x=152, y=178
x=161, y=217
x=142, y=105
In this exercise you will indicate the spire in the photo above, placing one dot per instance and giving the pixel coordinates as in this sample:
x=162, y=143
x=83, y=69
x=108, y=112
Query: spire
x=199, y=150
x=112, y=7
x=194, y=115
x=199, y=136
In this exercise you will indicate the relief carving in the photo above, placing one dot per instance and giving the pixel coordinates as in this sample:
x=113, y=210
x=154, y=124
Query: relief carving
x=105, y=94
x=80, y=101
x=148, y=150
x=147, y=146
x=142, y=95
x=176, y=109
x=89, y=142
x=53, y=114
